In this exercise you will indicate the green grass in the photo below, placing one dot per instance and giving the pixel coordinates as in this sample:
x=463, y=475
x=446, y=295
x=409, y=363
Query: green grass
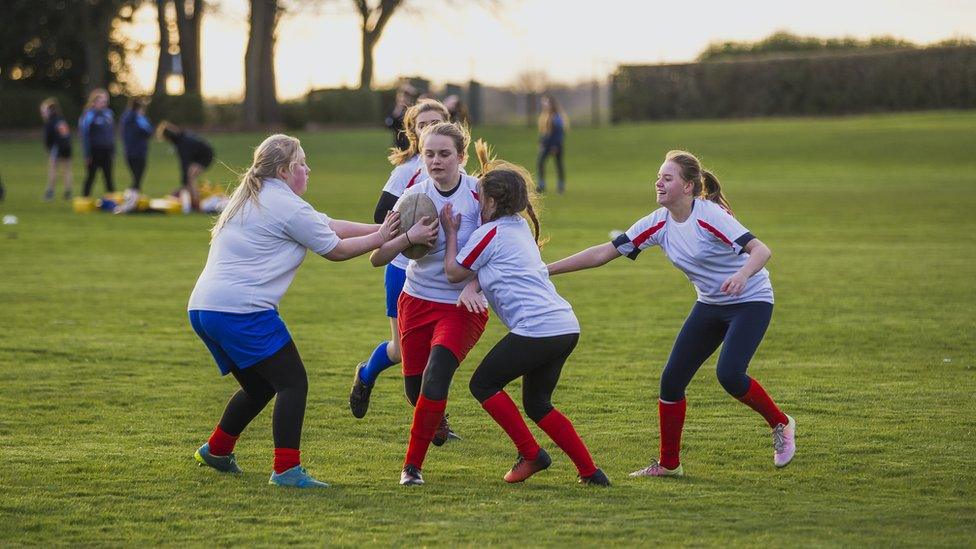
x=105, y=391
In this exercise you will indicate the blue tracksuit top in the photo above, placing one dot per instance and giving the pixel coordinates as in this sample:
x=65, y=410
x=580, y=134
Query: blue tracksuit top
x=97, y=130
x=136, y=131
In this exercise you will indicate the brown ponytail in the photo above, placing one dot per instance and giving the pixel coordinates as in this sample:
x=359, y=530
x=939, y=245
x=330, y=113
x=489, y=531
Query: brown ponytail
x=510, y=186
x=704, y=183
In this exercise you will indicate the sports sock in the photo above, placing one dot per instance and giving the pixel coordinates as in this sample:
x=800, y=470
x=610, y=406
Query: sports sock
x=502, y=409
x=221, y=443
x=378, y=361
x=671, y=416
x=757, y=399
x=561, y=431
x=426, y=418
x=286, y=458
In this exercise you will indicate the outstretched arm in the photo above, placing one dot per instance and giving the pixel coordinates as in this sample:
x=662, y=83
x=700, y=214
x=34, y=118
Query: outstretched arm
x=350, y=229
x=594, y=256
x=355, y=246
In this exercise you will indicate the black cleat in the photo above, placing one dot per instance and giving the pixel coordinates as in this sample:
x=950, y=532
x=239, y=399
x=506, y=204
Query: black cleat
x=444, y=433
x=599, y=478
x=359, y=396
x=410, y=476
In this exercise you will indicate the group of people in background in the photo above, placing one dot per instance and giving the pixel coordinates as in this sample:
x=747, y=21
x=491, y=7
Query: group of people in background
x=553, y=123
x=97, y=131
x=482, y=250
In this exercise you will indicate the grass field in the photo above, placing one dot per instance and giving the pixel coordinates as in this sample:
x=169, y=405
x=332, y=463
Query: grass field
x=105, y=392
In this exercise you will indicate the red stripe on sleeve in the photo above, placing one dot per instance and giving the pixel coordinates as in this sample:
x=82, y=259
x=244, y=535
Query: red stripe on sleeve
x=413, y=179
x=641, y=238
x=718, y=234
x=473, y=256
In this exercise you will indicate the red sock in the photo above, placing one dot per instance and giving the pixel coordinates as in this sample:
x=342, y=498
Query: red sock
x=426, y=418
x=671, y=416
x=757, y=399
x=561, y=431
x=503, y=411
x=286, y=458
x=221, y=444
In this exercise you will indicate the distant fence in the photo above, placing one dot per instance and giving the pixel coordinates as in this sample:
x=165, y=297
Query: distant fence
x=934, y=78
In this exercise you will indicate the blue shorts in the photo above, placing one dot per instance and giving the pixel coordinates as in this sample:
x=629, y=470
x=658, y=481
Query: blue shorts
x=240, y=340
x=394, y=279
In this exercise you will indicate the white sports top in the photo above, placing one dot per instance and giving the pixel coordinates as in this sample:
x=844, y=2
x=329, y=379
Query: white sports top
x=515, y=279
x=707, y=247
x=403, y=177
x=425, y=277
x=254, y=257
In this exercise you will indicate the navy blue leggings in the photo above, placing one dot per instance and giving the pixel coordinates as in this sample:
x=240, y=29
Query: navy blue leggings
x=739, y=328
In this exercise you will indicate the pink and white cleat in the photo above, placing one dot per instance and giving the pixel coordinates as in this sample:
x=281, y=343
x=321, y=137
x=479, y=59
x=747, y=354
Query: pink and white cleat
x=784, y=442
x=655, y=469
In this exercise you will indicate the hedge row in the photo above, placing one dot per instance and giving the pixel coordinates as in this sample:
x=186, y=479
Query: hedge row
x=936, y=78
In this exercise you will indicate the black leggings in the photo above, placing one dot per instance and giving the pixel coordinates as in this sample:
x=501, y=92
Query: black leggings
x=739, y=328
x=541, y=167
x=138, y=167
x=539, y=359
x=101, y=159
x=282, y=373
x=438, y=373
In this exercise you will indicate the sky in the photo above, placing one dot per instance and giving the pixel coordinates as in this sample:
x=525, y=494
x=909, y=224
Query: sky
x=569, y=40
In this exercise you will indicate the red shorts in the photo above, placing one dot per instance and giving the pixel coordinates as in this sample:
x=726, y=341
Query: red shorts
x=424, y=324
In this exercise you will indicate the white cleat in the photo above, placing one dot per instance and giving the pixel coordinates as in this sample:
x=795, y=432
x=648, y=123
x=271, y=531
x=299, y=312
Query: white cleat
x=784, y=443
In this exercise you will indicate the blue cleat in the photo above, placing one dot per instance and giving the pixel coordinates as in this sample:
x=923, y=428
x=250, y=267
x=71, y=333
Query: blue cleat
x=296, y=477
x=224, y=464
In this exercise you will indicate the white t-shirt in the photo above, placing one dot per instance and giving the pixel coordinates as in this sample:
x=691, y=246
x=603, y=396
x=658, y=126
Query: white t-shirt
x=515, y=280
x=254, y=257
x=425, y=277
x=707, y=247
x=403, y=177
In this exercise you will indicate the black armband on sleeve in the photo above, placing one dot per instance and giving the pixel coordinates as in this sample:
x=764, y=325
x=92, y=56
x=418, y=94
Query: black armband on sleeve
x=383, y=205
x=743, y=240
x=622, y=243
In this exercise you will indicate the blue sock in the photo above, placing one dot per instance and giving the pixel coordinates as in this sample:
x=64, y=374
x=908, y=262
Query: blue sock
x=378, y=361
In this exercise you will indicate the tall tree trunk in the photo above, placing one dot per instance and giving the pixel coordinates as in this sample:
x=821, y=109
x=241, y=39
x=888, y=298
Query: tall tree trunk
x=374, y=21
x=188, y=26
x=260, y=97
x=96, y=23
x=164, y=66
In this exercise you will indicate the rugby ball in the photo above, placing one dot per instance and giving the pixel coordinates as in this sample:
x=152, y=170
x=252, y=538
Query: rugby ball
x=412, y=208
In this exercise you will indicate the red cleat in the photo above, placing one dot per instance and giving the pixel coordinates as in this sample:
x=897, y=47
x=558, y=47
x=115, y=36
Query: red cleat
x=525, y=468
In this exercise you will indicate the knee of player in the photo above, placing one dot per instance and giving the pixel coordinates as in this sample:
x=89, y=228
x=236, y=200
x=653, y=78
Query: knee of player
x=536, y=408
x=735, y=382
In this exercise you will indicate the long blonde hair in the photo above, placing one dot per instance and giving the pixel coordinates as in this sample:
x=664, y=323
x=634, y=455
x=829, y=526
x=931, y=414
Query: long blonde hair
x=704, y=183
x=546, y=116
x=277, y=152
x=399, y=156
x=510, y=185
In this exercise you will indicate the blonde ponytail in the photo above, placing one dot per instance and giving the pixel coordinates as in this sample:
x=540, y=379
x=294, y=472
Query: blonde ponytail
x=510, y=186
x=277, y=152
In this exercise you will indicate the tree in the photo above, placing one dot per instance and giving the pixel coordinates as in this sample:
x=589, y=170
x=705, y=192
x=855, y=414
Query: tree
x=260, y=96
x=164, y=66
x=374, y=20
x=189, y=14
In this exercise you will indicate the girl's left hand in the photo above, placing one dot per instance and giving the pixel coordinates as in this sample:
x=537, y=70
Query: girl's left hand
x=734, y=284
x=472, y=300
x=450, y=222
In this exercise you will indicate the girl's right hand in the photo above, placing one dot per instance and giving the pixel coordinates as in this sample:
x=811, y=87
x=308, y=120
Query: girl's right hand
x=390, y=227
x=423, y=232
